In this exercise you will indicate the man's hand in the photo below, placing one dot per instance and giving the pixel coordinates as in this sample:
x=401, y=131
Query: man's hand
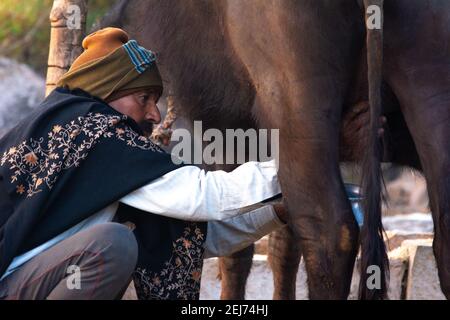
x=281, y=212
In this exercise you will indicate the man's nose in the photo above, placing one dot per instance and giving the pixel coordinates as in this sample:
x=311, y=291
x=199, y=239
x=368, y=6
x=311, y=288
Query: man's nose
x=153, y=114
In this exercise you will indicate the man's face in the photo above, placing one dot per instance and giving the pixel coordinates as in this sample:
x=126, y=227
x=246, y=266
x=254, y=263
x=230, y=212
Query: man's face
x=141, y=107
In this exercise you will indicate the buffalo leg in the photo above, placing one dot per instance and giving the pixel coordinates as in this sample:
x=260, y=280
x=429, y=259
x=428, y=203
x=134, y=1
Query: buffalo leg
x=302, y=85
x=431, y=133
x=284, y=258
x=234, y=271
x=418, y=71
x=428, y=120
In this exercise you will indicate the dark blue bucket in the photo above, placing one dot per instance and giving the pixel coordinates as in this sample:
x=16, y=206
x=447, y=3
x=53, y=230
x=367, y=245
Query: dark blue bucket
x=354, y=194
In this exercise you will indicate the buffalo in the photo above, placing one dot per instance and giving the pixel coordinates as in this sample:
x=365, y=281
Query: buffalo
x=306, y=67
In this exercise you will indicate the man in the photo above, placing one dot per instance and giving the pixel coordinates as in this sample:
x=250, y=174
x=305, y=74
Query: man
x=80, y=168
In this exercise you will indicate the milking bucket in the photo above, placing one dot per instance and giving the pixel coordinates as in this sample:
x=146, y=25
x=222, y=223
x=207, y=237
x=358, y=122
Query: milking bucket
x=354, y=194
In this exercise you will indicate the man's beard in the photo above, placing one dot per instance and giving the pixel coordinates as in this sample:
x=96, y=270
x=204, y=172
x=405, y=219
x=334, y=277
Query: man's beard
x=146, y=127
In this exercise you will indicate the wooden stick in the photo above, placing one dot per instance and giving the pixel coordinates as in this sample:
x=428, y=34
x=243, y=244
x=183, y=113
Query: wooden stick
x=68, y=27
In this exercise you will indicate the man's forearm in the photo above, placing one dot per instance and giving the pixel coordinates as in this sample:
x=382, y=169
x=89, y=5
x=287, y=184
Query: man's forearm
x=231, y=235
x=190, y=193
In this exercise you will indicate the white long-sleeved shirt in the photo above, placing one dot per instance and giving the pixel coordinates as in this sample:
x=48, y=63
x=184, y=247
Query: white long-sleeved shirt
x=189, y=193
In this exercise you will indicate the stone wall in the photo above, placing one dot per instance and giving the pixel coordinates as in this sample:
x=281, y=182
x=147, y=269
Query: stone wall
x=412, y=266
x=21, y=90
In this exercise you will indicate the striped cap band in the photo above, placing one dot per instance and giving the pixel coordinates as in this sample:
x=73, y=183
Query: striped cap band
x=141, y=57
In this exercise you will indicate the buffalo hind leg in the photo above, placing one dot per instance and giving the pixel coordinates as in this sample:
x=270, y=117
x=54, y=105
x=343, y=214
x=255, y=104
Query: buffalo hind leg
x=284, y=258
x=234, y=271
x=418, y=72
x=431, y=133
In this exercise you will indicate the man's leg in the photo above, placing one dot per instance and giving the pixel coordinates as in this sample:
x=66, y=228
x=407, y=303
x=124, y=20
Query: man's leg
x=105, y=256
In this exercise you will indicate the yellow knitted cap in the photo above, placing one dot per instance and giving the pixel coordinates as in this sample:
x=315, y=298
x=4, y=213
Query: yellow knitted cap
x=110, y=63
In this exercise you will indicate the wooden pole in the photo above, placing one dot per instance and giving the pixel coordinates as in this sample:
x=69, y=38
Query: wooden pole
x=68, y=27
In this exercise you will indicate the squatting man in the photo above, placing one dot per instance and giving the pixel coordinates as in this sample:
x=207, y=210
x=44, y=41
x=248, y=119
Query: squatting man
x=81, y=184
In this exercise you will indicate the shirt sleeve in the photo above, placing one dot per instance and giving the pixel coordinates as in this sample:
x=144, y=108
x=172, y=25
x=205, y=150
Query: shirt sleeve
x=226, y=237
x=190, y=193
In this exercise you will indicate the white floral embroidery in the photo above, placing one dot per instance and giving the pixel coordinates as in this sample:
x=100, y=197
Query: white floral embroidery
x=37, y=162
x=182, y=273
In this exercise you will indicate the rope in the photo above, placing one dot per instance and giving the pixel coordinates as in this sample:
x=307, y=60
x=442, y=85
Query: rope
x=163, y=132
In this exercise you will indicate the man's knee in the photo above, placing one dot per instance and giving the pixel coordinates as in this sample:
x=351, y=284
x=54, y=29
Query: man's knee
x=118, y=246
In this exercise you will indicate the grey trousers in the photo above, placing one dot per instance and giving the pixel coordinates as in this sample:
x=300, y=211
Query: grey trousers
x=96, y=263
